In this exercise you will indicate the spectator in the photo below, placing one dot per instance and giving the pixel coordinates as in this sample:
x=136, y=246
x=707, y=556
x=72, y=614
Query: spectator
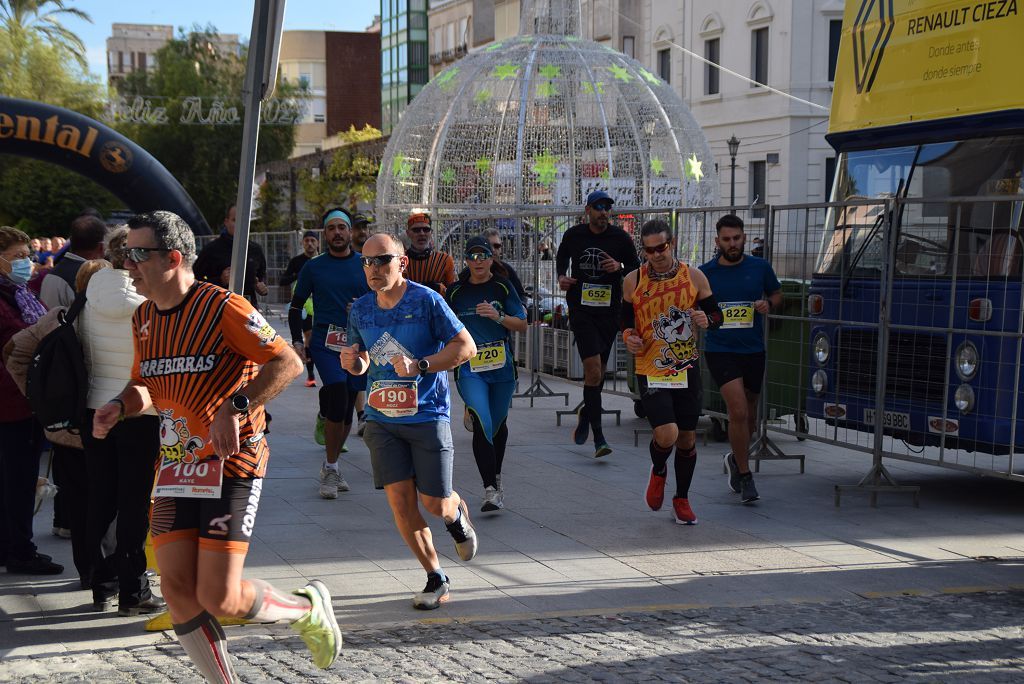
x=20, y=434
x=45, y=253
x=33, y=250
x=120, y=467
x=544, y=247
x=87, y=233
x=214, y=262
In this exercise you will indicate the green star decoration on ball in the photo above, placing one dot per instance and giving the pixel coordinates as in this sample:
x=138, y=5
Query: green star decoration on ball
x=549, y=71
x=657, y=166
x=620, y=73
x=590, y=88
x=693, y=168
x=401, y=167
x=482, y=96
x=544, y=167
x=483, y=165
x=448, y=176
x=505, y=71
x=546, y=89
x=649, y=77
x=444, y=79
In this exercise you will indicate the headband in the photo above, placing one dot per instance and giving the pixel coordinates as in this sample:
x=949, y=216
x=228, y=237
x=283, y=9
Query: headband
x=337, y=213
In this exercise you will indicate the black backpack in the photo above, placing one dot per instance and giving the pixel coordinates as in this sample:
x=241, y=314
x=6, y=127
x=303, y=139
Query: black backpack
x=57, y=384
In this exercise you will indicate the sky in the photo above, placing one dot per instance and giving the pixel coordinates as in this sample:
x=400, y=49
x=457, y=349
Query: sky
x=228, y=16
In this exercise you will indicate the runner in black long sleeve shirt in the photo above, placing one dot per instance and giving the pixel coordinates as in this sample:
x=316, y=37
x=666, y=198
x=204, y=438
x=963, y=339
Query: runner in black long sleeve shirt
x=592, y=259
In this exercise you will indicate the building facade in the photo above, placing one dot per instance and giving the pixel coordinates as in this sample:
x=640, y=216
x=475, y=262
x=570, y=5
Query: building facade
x=405, y=62
x=133, y=47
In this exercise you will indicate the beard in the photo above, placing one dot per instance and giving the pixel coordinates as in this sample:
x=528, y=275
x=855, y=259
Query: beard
x=733, y=256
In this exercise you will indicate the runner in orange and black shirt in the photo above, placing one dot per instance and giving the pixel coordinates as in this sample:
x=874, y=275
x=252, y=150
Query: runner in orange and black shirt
x=427, y=266
x=198, y=352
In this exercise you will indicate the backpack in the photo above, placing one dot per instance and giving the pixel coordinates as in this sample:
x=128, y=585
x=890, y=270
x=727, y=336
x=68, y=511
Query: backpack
x=57, y=384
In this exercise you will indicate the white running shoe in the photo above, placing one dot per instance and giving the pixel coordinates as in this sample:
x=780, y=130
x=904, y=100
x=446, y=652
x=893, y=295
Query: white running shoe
x=492, y=500
x=331, y=482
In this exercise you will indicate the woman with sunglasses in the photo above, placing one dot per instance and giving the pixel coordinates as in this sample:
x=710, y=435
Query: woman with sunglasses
x=487, y=303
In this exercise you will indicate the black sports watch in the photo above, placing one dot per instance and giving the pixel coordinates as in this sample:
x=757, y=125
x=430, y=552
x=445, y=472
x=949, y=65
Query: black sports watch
x=423, y=366
x=240, y=403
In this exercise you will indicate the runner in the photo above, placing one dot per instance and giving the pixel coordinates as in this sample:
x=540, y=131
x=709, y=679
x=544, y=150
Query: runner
x=600, y=254
x=198, y=349
x=360, y=229
x=735, y=353
x=406, y=338
x=310, y=248
x=334, y=280
x=658, y=319
x=427, y=265
x=357, y=383
x=487, y=303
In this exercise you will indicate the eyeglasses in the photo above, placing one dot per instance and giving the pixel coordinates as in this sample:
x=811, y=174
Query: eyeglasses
x=496, y=245
x=657, y=249
x=478, y=256
x=421, y=229
x=602, y=206
x=140, y=254
x=379, y=260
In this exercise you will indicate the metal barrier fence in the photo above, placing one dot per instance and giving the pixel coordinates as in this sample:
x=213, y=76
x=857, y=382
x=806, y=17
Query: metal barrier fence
x=278, y=247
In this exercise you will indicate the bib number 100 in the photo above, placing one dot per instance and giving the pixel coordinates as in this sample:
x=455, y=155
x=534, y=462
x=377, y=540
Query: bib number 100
x=201, y=469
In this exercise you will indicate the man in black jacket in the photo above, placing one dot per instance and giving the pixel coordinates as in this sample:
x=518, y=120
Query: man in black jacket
x=214, y=262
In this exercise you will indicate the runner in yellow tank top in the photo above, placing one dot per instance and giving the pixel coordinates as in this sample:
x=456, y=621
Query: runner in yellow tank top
x=659, y=328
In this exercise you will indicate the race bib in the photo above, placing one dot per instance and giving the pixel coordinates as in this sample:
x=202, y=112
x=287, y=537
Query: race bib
x=336, y=338
x=394, y=398
x=489, y=357
x=596, y=295
x=677, y=381
x=737, y=314
x=200, y=480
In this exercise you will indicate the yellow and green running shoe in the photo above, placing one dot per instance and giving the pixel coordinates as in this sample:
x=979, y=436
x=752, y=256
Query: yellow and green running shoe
x=319, y=628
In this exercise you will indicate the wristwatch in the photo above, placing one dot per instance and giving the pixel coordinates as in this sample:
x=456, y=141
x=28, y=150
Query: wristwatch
x=501, y=317
x=423, y=366
x=240, y=403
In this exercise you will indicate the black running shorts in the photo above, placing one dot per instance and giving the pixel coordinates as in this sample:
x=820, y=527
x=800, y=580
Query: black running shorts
x=666, y=406
x=595, y=333
x=223, y=524
x=727, y=366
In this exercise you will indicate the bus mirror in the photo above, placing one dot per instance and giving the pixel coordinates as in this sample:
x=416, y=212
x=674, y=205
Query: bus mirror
x=980, y=310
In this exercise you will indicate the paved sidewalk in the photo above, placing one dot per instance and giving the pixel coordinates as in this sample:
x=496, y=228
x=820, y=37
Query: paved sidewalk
x=575, y=543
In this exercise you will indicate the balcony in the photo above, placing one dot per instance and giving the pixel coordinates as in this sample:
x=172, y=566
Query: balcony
x=448, y=55
x=460, y=50
x=435, y=58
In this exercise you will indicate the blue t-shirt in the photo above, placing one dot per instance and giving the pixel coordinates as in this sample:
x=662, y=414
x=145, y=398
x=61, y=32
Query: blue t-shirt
x=418, y=326
x=334, y=282
x=738, y=286
x=463, y=297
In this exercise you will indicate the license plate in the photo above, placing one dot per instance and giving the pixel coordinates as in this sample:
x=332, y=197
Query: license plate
x=891, y=419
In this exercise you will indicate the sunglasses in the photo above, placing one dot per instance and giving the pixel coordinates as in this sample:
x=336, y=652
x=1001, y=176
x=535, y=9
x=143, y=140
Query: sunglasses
x=380, y=260
x=602, y=206
x=657, y=249
x=477, y=256
x=421, y=229
x=140, y=254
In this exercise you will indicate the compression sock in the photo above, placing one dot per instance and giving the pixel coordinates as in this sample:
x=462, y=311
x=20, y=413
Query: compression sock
x=309, y=370
x=686, y=461
x=592, y=403
x=271, y=605
x=483, y=452
x=203, y=639
x=500, y=438
x=659, y=457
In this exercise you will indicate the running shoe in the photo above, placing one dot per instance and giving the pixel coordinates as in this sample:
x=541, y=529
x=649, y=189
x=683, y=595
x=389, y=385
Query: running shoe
x=492, y=500
x=748, y=492
x=733, y=472
x=361, y=420
x=318, y=431
x=154, y=604
x=433, y=595
x=582, y=431
x=62, y=532
x=463, y=533
x=655, y=496
x=331, y=482
x=310, y=382
x=601, y=450
x=319, y=628
x=344, y=448
x=684, y=514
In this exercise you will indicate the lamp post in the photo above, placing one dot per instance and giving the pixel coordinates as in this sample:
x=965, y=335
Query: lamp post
x=734, y=146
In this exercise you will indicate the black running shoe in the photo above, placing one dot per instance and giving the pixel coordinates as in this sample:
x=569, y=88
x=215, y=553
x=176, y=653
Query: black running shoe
x=748, y=492
x=582, y=431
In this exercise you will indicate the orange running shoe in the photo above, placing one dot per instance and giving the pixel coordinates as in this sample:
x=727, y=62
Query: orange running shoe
x=310, y=382
x=684, y=514
x=656, y=490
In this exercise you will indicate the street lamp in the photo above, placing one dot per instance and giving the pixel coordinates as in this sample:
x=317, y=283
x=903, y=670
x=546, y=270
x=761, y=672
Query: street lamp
x=734, y=146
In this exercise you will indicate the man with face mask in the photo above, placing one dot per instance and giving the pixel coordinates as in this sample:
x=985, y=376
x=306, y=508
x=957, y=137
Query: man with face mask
x=334, y=280
x=747, y=289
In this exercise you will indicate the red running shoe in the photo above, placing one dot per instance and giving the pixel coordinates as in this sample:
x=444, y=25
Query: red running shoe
x=656, y=490
x=310, y=382
x=684, y=514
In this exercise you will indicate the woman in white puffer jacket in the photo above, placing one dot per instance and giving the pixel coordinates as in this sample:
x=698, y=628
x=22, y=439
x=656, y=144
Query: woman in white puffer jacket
x=121, y=466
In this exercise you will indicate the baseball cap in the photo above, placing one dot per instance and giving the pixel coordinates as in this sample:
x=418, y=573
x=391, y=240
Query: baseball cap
x=479, y=242
x=418, y=217
x=597, y=196
x=361, y=218
x=310, y=233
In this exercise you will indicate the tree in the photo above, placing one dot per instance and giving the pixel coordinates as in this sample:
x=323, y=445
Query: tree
x=350, y=178
x=23, y=20
x=43, y=198
x=203, y=157
x=269, y=216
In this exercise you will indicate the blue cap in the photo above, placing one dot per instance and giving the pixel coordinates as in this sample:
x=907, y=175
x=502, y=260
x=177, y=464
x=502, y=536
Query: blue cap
x=597, y=196
x=479, y=242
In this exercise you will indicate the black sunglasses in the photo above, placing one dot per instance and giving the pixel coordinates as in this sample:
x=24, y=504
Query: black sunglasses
x=602, y=206
x=657, y=249
x=140, y=254
x=421, y=229
x=380, y=260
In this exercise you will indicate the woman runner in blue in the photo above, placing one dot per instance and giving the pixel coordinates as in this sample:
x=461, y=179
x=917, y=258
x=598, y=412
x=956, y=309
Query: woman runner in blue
x=489, y=307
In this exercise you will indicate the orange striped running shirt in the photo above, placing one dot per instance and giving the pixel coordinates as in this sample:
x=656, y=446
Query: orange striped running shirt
x=191, y=359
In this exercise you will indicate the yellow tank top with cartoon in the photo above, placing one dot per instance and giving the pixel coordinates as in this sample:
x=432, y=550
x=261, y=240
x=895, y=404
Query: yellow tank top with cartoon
x=661, y=308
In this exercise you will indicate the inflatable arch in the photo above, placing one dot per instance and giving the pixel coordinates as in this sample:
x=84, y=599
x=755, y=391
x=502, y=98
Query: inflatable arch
x=84, y=145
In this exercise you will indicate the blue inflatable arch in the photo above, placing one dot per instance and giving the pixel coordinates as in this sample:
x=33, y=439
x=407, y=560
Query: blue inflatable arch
x=84, y=145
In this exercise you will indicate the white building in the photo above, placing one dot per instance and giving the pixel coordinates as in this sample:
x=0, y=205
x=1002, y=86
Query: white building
x=133, y=47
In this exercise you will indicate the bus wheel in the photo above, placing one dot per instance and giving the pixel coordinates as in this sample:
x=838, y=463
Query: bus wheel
x=638, y=409
x=719, y=430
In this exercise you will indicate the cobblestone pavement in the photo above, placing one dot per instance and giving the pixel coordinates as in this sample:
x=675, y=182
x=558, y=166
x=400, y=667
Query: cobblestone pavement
x=964, y=637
